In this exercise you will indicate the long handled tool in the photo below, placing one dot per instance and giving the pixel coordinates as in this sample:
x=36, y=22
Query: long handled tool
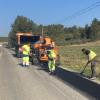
x=83, y=69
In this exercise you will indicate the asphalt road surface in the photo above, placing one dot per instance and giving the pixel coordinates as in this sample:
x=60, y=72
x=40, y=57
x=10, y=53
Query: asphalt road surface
x=31, y=83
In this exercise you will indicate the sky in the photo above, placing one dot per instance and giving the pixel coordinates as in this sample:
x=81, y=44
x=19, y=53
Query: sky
x=46, y=12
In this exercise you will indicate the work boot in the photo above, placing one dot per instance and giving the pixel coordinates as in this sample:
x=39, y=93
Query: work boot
x=23, y=65
x=93, y=78
x=50, y=72
x=53, y=72
x=27, y=66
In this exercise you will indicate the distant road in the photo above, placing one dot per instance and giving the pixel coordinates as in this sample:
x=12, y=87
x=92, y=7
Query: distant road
x=33, y=83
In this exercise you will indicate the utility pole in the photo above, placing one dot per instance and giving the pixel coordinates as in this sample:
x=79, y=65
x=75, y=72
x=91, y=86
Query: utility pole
x=42, y=31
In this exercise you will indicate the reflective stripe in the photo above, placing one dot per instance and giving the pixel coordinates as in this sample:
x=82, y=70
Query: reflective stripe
x=25, y=55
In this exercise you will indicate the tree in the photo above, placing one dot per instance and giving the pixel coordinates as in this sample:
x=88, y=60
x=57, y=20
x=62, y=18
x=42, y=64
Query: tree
x=82, y=33
x=75, y=32
x=88, y=32
x=54, y=31
x=21, y=24
x=95, y=28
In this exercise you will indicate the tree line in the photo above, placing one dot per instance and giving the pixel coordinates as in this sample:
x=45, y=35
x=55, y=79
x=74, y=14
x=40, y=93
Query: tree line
x=59, y=33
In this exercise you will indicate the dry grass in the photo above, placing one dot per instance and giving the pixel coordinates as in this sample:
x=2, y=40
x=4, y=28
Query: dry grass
x=89, y=44
x=72, y=58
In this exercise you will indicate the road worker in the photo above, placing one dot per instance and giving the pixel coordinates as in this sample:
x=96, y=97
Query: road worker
x=52, y=44
x=51, y=61
x=91, y=55
x=26, y=52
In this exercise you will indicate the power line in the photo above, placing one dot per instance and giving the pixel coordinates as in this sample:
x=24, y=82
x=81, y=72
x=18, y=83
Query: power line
x=81, y=12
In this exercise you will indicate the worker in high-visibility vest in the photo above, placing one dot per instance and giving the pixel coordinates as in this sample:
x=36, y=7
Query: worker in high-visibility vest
x=91, y=55
x=51, y=61
x=26, y=52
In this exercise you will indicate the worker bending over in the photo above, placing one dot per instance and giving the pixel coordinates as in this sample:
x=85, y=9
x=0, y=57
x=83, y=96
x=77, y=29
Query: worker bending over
x=91, y=55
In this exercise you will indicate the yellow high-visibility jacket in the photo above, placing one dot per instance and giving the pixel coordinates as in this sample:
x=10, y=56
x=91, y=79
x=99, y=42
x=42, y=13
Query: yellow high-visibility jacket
x=52, y=54
x=92, y=55
x=26, y=49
